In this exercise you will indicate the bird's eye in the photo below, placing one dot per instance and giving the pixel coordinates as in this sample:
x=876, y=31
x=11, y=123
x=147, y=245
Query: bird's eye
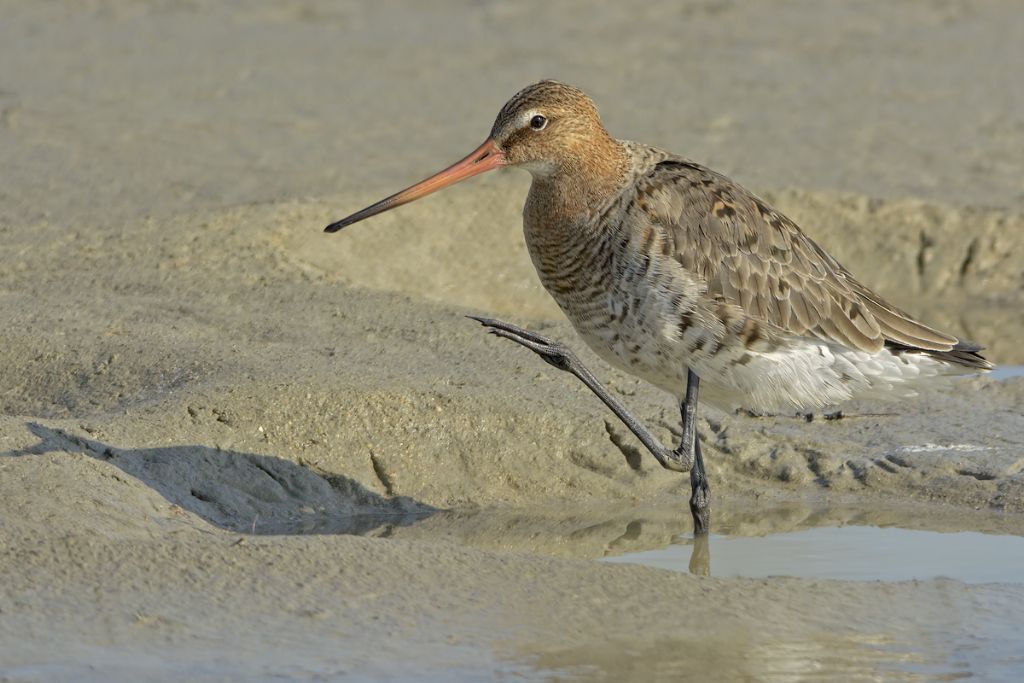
x=538, y=122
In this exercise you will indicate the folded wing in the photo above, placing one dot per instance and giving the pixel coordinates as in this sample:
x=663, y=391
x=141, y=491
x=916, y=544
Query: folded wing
x=756, y=258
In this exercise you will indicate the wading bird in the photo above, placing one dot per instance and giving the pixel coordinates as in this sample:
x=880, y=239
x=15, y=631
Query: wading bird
x=678, y=275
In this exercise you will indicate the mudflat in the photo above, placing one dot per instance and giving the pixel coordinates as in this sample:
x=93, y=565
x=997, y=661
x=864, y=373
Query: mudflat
x=205, y=400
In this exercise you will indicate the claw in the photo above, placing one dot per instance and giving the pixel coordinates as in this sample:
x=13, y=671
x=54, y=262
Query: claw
x=509, y=327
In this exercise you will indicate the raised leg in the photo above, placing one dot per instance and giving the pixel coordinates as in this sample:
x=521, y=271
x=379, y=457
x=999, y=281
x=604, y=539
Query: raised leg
x=686, y=458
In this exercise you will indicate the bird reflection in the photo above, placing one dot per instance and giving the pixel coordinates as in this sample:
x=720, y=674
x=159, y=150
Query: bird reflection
x=700, y=557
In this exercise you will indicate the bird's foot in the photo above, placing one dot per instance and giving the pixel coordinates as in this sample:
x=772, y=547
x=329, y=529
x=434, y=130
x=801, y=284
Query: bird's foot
x=551, y=352
x=700, y=492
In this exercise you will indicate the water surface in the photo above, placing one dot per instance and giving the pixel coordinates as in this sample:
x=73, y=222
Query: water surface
x=859, y=553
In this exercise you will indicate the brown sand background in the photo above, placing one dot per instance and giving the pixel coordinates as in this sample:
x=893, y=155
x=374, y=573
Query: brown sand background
x=185, y=356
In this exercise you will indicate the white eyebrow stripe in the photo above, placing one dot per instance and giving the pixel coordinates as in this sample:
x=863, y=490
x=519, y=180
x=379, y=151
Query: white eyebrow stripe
x=530, y=114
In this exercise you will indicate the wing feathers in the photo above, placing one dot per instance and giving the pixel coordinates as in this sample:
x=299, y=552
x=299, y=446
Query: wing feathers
x=754, y=257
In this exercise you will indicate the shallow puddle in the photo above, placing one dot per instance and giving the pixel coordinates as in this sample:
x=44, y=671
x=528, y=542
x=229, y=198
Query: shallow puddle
x=859, y=543
x=973, y=631
x=859, y=553
x=971, y=584
x=788, y=539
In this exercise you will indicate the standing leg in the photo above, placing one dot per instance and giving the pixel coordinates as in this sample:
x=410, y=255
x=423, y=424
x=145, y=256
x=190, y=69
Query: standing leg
x=700, y=492
x=687, y=457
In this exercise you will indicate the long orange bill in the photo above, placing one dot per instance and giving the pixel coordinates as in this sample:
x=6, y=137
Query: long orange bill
x=484, y=158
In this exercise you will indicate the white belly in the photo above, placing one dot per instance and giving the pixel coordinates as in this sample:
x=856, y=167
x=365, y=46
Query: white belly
x=799, y=374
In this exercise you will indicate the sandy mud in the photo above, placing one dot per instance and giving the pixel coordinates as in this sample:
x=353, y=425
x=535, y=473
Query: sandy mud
x=203, y=398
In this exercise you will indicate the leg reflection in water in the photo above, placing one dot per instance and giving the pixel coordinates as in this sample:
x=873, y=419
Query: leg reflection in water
x=627, y=543
x=700, y=559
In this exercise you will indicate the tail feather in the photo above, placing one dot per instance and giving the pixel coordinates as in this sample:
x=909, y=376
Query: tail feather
x=964, y=354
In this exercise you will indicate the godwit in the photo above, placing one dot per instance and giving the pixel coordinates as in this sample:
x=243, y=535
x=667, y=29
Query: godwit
x=676, y=274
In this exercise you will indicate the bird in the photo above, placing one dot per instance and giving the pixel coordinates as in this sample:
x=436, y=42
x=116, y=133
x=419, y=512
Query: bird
x=674, y=273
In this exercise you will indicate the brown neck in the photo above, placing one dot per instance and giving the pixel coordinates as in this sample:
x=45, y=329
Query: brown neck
x=580, y=186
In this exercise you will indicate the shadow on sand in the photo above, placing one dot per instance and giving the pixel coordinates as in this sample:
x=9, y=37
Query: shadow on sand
x=245, y=492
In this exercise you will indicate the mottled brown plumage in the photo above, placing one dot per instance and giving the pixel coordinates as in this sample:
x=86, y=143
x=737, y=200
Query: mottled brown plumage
x=754, y=257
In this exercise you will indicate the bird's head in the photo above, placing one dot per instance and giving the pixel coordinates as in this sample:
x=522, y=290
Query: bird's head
x=547, y=128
